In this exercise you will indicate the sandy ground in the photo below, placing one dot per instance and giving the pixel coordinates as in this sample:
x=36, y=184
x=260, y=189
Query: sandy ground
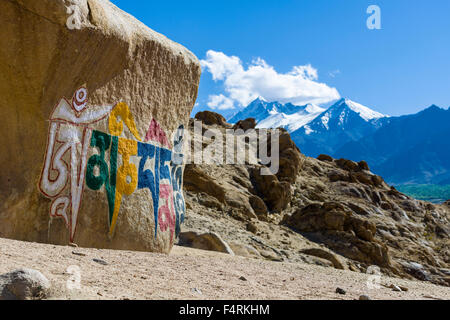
x=194, y=274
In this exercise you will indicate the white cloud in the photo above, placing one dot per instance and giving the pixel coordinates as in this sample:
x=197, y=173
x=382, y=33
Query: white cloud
x=243, y=85
x=220, y=102
x=220, y=65
x=307, y=72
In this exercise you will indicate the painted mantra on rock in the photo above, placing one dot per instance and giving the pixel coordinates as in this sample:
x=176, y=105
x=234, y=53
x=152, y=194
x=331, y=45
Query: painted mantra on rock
x=67, y=167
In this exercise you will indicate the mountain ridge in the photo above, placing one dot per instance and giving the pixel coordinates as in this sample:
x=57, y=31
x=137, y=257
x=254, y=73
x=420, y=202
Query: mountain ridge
x=343, y=122
x=408, y=149
x=259, y=109
x=350, y=130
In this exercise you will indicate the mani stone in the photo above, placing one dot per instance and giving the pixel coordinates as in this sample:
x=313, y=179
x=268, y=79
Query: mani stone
x=93, y=105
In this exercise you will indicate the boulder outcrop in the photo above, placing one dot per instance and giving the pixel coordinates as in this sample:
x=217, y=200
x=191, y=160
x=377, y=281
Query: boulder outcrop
x=325, y=211
x=211, y=118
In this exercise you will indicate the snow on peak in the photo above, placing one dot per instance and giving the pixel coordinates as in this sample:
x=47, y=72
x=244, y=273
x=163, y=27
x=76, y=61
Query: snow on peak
x=290, y=117
x=364, y=112
x=258, y=99
x=313, y=108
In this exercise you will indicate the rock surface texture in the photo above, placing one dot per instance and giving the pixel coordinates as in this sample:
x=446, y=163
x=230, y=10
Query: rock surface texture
x=325, y=211
x=92, y=109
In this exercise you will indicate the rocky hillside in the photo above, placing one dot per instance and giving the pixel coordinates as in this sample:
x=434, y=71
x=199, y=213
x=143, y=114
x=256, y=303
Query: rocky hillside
x=325, y=211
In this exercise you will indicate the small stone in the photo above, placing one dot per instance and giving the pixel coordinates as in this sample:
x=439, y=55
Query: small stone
x=197, y=291
x=364, y=297
x=445, y=271
x=340, y=291
x=73, y=245
x=396, y=288
x=431, y=297
x=79, y=253
x=24, y=284
x=100, y=261
x=252, y=227
x=242, y=278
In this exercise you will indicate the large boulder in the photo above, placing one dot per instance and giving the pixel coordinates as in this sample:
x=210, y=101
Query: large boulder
x=245, y=125
x=205, y=241
x=212, y=118
x=93, y=104
x=324, y=254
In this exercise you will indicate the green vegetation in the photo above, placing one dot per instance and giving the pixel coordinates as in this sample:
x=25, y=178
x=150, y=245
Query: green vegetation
x=428, y=192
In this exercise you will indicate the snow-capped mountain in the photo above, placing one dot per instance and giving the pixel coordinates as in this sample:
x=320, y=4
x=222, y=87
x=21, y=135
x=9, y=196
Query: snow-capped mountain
x=291, y=121
x=275, y=114
x=258, y=109
x=314, y=129
x=344, y=113
x=405, y=149
x=408, y=149
x=343, y=122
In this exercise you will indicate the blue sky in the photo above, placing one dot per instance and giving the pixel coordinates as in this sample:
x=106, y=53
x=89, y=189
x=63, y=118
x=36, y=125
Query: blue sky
x=400, y=69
